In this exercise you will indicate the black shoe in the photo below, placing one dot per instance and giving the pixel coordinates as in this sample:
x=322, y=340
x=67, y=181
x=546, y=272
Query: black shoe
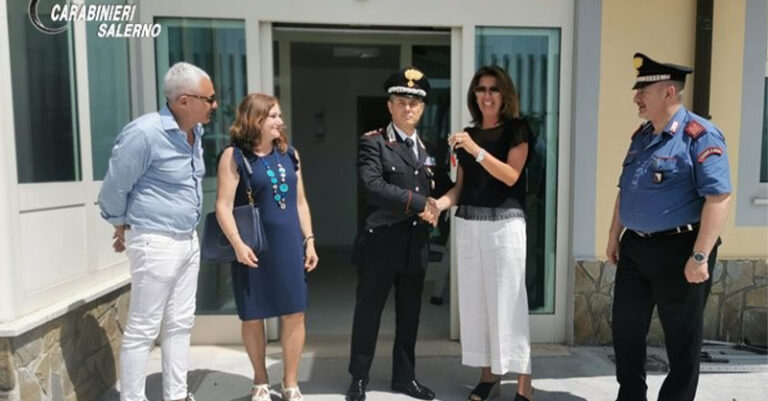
x=519, y=397
x=485, y=391
x=356, y=391
x=413, y=389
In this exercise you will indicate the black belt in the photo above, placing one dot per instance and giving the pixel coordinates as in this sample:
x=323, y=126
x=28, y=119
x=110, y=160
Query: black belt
x=677, y=230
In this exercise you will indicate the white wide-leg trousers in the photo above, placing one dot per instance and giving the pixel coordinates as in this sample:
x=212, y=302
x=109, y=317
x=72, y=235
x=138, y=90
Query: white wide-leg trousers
x=493, y=303
x=164, y=269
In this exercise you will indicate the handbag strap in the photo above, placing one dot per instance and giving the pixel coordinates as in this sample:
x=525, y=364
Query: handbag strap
x=242, y=164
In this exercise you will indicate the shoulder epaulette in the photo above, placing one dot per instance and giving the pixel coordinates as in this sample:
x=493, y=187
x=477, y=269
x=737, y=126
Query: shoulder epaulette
x=375, y=132
x=694, y=129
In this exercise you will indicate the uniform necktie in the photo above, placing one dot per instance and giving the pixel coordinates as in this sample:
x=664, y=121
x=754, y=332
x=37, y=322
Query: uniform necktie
x=409, y=142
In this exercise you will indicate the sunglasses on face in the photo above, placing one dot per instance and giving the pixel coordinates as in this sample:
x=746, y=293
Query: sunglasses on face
x=210, y=100
x=484, y=89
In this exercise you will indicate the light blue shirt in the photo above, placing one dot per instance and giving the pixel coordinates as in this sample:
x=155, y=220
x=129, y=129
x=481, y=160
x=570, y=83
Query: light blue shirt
x=667, y=176
x=154, y=180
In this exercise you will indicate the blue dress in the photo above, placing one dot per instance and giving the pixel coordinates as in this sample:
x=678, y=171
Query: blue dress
x=278, y=286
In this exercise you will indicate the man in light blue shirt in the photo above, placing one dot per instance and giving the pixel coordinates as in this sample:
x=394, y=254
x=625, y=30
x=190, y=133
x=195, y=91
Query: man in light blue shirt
x=152, y=194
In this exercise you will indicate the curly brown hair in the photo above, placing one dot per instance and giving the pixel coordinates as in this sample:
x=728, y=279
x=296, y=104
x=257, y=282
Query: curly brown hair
x=245, y=131
x=510, y=103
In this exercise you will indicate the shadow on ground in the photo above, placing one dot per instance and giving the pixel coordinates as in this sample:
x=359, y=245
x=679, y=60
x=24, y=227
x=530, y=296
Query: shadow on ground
x=206, y=384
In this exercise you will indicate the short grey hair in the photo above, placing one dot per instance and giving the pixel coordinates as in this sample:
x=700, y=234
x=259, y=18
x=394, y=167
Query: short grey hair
x=182, y=78
x=679, y=88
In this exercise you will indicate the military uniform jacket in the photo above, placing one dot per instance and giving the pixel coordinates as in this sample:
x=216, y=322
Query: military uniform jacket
x=666, y=176
x=396, y=184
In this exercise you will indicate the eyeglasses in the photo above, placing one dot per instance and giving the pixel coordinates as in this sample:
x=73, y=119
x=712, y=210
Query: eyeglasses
x=479, y=90
x=210, y=100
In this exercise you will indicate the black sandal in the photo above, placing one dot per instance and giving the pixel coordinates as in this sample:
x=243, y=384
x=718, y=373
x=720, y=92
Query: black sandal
x=485, y=391
x=520, y=397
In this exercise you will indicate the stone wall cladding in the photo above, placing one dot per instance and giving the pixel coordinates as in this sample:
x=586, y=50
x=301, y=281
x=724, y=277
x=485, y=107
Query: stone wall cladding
x=736, y=311
x=71, y=358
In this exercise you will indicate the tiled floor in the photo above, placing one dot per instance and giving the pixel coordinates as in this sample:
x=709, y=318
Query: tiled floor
x=560, y=374
x=223, y=373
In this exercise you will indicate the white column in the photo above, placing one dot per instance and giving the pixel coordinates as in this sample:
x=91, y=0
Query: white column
x=9, y=207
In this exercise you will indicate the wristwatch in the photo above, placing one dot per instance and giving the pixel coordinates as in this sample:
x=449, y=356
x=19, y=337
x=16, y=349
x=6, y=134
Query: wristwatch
x=480, y=156
x=699, y=257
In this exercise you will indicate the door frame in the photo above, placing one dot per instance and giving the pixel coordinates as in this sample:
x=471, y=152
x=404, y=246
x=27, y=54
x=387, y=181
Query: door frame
x=456, y=16
x=405, y=39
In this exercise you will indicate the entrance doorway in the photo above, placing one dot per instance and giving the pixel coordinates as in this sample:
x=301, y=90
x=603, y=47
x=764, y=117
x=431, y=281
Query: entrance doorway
x=327, y=111
x=330, y=82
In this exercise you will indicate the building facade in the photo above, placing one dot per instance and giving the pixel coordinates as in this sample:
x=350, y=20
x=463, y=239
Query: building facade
x=64, y=292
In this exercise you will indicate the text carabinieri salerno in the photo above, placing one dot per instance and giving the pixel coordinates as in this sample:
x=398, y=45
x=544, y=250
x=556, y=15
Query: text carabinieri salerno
x=113, y=18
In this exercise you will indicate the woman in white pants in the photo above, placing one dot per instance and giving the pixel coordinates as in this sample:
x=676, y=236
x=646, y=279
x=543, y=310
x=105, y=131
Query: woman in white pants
x=490, y=230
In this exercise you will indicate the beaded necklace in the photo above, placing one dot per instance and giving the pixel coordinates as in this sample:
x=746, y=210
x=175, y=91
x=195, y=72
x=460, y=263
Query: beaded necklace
x=278, y=190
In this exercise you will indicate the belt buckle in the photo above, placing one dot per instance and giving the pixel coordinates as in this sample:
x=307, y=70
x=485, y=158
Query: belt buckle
x=684, y=229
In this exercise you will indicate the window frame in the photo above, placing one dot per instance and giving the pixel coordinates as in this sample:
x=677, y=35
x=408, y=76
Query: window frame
x=752, y=195
x=74, y=201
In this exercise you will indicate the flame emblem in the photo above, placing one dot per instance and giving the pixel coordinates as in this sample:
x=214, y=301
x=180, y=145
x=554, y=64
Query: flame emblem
x=413, y=74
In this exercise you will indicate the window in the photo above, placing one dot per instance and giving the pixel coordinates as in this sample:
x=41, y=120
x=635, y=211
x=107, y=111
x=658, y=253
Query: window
x=110, y=92
x=218, y=47
x=752, y=186
x=531, y=57
x=43, y=93
x=764, y=143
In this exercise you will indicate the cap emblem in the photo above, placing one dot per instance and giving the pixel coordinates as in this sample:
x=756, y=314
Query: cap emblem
x=638, y=62
x=413, y=75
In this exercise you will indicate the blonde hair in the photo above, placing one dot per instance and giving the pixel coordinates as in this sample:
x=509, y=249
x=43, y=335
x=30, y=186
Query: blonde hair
x=245, y=131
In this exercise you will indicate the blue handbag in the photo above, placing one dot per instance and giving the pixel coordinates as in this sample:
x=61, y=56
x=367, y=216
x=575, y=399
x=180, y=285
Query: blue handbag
x=215, y=247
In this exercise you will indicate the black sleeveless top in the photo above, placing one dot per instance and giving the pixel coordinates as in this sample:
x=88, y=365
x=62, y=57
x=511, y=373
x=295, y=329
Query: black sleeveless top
x=484, y=197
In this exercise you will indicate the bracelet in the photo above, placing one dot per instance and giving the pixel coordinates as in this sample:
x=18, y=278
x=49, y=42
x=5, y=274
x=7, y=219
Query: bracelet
x=480, y=156
x=306, y=239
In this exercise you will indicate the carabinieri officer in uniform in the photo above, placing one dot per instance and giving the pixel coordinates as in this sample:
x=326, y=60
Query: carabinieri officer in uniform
x=673, y=199
x=395, y=172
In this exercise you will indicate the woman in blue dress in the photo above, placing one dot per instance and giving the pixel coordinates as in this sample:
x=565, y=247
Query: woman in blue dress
x=272, y=283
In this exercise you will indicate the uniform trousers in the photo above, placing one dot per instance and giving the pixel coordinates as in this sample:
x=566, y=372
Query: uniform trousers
x=650, y=273
x=164, y=270
x=390, y=256
x=493, y=302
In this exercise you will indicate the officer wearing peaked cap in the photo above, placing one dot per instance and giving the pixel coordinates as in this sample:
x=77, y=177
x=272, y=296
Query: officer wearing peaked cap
x=674, y=192
x=650, y=71
x=391, y=248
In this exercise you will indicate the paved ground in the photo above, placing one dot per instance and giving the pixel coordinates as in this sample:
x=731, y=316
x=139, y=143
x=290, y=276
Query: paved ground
x=223, y=373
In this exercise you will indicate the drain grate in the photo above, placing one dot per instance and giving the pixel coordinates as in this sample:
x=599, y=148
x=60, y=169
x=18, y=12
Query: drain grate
x=717, y=356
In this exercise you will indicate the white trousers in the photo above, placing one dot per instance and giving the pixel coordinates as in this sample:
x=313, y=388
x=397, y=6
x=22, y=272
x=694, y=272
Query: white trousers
x=164, y=269
x=493, y=303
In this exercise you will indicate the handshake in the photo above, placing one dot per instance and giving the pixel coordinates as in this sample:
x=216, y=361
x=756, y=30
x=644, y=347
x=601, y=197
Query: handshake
x=431, y=212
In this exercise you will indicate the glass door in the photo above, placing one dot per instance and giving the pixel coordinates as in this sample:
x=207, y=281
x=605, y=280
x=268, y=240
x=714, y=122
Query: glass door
x=532, y=59
x=330, y=88
x=449, y=46
x=218, y=47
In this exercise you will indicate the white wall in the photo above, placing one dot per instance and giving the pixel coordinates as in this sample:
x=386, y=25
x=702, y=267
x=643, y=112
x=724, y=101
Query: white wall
x=8, y=204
